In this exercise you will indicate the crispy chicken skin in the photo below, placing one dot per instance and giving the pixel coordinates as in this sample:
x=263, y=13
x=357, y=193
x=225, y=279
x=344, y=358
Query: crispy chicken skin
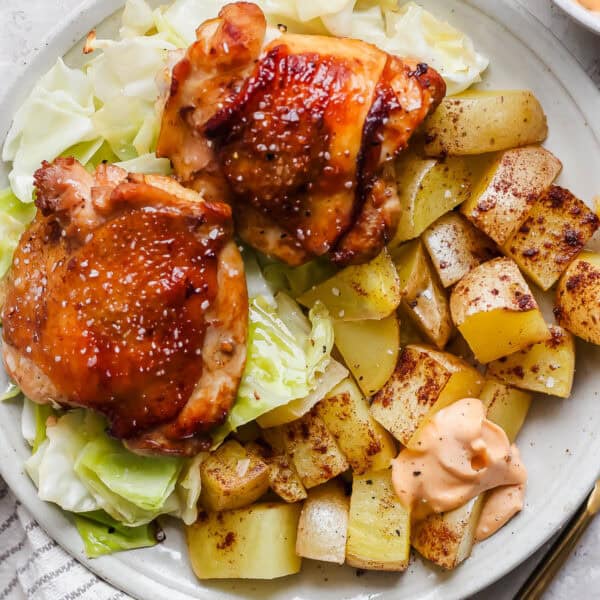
x=127, y=296
x=298, y=133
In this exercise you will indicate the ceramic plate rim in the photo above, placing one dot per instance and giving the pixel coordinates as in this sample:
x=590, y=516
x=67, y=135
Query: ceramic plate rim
x=566, y=70
x=584, y=16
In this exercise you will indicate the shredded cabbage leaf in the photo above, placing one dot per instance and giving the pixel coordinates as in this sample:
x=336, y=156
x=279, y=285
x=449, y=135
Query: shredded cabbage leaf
x=287, y=353
x=101, y=534
x=57, y=115
x=14, y=218
x=80, y=468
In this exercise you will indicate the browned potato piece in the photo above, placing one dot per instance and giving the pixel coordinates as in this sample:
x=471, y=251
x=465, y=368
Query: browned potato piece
x=232, y=478
x=378, y=526
x=424, y=382
x=423, y=298
x=495, y=311
x=557, y=228
x=578, y=298
x=446, y=539
x=283, y=478
x=366, y=445
x=323, y=524
x=313, y=449
x=455, y=247
x=476, y=122
x=506, y=406
x=503, y=198
x=547, y=367
x=255, y=542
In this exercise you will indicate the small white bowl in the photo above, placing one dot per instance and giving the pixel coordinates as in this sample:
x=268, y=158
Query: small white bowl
x=586, y=17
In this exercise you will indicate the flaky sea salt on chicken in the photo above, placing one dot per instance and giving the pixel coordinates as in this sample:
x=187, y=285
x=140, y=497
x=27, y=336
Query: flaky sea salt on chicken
x=127, y=296
x=296, y=134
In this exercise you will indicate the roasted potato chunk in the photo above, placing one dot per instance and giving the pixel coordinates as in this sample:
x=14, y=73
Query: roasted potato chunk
x=365, y=444
x=456, y=247
x=424, y=382
x=476, y=122
x=427, y=189
x=506, y=406
x=547, y=367
x=313, y=450
x=323, y=525
x=359, y=292
x=496, y=312
x=556, y=230
x=378, y=525
x=283, y=478
x=578, y=298
x=369, y=349
x=423, y=298
x=232, y=478
x=446, y=539
x=504, y=196
x=256, y=542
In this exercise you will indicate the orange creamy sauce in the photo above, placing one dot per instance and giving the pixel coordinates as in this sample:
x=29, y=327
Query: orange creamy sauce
x=591, y=4
x=121, y=323
x=461, y=455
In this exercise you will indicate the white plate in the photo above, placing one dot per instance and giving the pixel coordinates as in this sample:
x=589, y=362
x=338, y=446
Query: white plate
x=587, y=18
x=560, y=441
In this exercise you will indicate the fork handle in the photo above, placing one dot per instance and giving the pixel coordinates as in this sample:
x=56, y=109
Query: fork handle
x=554, y=559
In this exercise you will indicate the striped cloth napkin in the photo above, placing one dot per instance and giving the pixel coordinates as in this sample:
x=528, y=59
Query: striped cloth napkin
x=34, y=567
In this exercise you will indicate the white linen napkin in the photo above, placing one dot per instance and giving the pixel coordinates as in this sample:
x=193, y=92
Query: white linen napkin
x=34, y=567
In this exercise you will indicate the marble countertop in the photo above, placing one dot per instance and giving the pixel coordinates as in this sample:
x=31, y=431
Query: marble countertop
x=23, y=24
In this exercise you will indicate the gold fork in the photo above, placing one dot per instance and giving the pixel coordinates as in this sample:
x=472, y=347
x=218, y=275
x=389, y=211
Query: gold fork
x=549, y=566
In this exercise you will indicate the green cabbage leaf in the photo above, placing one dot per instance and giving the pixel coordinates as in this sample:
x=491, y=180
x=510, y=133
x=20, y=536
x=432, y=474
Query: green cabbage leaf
x=101, y=534
x=80, y=468
x=287, y=353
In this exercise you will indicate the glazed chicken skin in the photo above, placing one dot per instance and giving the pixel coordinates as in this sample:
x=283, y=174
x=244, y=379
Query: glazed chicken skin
x=127, y=295
x=299, y=133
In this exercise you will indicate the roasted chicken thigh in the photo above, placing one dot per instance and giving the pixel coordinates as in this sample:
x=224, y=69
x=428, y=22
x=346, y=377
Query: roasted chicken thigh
x=127, y=296
x=298, y=132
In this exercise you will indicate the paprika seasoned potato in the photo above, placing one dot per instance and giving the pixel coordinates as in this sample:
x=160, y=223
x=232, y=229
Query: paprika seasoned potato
x=446, y=539
x=313, y=450
x=547, y=367
x=427, y=189
x=505, y=195
x=506, y=406
x=232, y=477
x=283, y=477
x=365, y=443
x=378, y=525
x=359, y=292
x=323, y=524
x=424, y=382
x=369, y=349
x=556, y=230
x=476, y=122
x=256, y=542
x=578, y=298
x=424, y=300
x=455, y=247
x=495, y=311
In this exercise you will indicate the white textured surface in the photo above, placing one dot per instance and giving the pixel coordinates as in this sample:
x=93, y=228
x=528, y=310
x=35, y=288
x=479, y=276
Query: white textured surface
x=23, y=24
